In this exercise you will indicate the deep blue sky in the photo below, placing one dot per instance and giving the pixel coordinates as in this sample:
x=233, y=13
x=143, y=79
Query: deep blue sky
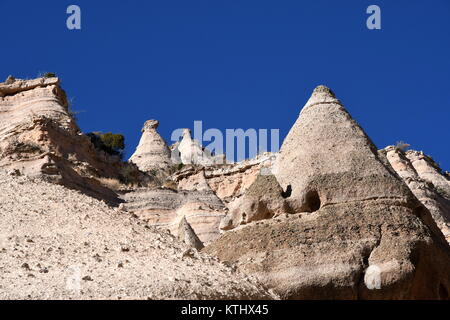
x=241, y=64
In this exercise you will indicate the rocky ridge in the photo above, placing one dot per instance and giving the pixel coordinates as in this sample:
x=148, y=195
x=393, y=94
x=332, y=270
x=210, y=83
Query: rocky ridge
x=39, y=137
x=426, y=181
x=329, y=216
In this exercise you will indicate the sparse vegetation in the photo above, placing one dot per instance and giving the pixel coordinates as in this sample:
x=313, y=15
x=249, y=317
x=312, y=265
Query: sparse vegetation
x=47, y=75
x=110, y=183
x=111, y=143
x=128, y=174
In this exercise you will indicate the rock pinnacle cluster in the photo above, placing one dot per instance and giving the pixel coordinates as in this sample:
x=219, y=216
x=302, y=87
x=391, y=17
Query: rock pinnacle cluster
x=329, y=216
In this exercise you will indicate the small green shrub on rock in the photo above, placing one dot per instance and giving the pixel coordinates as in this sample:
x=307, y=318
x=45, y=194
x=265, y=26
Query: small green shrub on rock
x=111, y=143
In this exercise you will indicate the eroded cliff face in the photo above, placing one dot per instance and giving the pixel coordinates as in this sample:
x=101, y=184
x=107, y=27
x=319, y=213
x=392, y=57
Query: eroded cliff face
x=229, y=181
x=329, y=216
x=201, y=195
x=426, y=181
x=39, y=137
x=152, y=153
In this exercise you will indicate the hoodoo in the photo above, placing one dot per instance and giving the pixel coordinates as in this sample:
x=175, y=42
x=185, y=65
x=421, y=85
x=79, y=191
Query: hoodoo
x=356, y=231
x=327, y=158
x=152, y=152
x=187, y=235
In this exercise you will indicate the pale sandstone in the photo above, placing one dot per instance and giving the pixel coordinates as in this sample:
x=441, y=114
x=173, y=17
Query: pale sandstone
x=428, y=184
x=39, y=137
x=357, y=223
x=152, y=153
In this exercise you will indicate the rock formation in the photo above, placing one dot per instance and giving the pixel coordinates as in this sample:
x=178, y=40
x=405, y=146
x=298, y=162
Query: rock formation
x=164, y=207
x=39, y=137
x=152, y=153
x=56, y=243
x=187, y=235
x=329, y=216
x=358, y=231
x=264, y=199
x=190, y=151
x=424, y=178
x=229, y=181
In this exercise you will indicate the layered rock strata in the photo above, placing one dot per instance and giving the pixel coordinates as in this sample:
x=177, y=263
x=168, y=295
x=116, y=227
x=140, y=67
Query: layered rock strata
x=163, y=208
x=152, y=153
x=39, y=137
x=424, y=178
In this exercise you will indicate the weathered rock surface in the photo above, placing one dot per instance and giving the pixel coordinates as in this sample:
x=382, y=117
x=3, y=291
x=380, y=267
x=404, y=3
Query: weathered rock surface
x=359, y=232
x=424, y=178
x=152, y=153
x=190, y=151
x=56, y=243
x=229, y=181
x=190, y=194
x=38, y=137
x=163, y=208
x=264, y=199
x=187, y=235
x=328, y=217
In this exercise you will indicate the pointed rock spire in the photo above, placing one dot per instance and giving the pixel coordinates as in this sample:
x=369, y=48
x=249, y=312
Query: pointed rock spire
x=328, y=158
x=187, y=235
x=152, y=151
x=365, y=220
x=322, y=94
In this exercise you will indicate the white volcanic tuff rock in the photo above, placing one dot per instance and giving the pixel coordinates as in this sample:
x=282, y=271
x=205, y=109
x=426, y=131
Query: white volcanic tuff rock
x=423, y=185
x=204, y=220
x=56, y=243
x=152, y=151
x=163, y=208
x=196, y=181
x=190, y=151
x=194, y=200
x=429, y=171
x=263, y=200
x=326, y=146
x=228, y=181
x=38, y=137
x=356, y=220
x=23, y=99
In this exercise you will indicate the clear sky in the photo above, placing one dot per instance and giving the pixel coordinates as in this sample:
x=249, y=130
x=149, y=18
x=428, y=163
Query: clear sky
x=240, y=64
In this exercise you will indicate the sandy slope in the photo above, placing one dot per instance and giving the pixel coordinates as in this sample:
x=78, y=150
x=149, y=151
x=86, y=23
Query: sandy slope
x=57, y=243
